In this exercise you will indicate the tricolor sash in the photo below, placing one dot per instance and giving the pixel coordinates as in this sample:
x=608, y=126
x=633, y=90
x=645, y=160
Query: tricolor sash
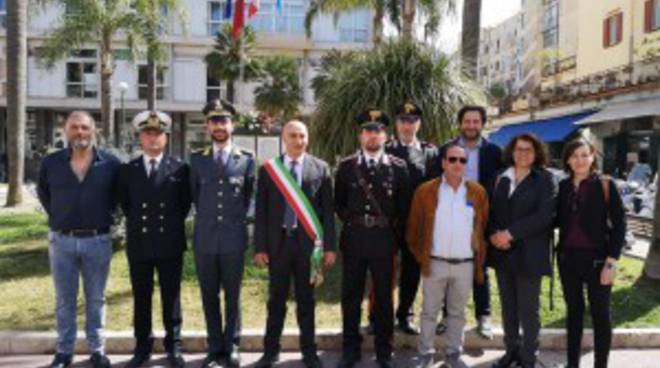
x=307, y=217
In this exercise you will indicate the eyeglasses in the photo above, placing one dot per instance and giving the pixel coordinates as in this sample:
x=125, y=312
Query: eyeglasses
x=453, y=160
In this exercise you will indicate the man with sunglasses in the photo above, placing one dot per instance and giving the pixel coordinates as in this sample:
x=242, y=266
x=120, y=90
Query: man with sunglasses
x=445, y=234
x=222, y=180
x=372, y=195
x=484, y=161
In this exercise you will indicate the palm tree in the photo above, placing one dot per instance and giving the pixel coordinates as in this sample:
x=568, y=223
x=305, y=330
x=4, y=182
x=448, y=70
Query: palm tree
x=470, y=36
x=95, y=21
x=337, y=6
x=279, y=92
x=432, y=10
x=155, y=24
x=16, y=96
x=383, y=78
x=224, y=62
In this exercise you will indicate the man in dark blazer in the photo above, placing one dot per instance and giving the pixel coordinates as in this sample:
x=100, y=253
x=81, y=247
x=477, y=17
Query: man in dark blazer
x=222, y=183
x=282, y=244
x=153, y=191
x=484, y=162
x=372, y=196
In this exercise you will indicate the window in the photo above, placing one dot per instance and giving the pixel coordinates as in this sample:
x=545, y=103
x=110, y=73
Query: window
x=3, y=14
x=216, y=16
x=651, y=15
x=214, y=88
x=613, y=30
x=160, y=82
x=550, y=38
x=290, y=20
x=354, y=27
x=81, y=79
x=82, y=74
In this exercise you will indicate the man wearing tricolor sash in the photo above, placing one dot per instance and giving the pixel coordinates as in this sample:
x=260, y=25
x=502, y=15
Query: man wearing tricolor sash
x=294, y=237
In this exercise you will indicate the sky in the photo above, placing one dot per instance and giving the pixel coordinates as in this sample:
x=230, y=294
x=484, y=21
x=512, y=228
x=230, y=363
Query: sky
x=493, y=12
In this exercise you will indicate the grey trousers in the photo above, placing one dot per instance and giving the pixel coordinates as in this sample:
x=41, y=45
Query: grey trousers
x=451, y=283
x=519, y=296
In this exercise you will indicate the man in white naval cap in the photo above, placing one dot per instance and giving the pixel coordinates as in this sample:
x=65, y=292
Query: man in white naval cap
x=154, y=193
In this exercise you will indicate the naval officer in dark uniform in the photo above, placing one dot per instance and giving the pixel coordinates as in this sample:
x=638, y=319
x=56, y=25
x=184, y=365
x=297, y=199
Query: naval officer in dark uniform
x=372, y=194
x=154, y=194
x=222, y=182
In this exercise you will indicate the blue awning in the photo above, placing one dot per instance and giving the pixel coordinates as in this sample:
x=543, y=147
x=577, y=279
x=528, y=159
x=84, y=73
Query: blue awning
x=548, y=130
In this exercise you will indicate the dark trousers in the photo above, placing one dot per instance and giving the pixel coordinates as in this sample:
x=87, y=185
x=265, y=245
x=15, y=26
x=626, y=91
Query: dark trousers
x=169, y=281
x=216, y=272
x=354, y=276
x=576, y=270
x=519, y=296
x=408, y=284
x=290, y=262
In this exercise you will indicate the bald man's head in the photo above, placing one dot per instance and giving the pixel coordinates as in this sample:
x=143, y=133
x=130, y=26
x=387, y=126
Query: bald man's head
x=295, y=138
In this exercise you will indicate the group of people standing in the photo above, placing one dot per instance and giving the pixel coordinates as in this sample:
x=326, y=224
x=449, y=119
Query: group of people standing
x=442, y=214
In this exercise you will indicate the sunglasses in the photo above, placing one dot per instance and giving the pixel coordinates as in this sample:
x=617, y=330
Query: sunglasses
x=453, y=160
x=220, y=119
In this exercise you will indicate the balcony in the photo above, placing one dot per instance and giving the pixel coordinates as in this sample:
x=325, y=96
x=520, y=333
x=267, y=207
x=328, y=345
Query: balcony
x=636, y=75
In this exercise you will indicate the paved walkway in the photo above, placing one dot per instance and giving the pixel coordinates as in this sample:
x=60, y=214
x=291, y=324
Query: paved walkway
x=475, y=359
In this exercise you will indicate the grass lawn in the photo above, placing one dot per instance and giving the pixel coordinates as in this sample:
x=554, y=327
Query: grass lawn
x=28, y=296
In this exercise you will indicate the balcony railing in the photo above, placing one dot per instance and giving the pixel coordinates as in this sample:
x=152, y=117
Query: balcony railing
x=632, y=75
x=559, y=66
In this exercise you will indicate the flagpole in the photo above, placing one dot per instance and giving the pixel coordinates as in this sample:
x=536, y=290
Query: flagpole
x=241, y=68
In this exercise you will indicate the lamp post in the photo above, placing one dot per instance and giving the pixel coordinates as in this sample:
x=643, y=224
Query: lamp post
x=123, y=88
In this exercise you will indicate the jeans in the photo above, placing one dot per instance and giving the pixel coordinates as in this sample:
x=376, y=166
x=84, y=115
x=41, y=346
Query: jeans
x=69, y=257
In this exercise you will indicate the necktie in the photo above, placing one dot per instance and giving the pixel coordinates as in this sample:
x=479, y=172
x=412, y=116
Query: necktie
x=289, y=215
x=372, y=163
x=152, y=169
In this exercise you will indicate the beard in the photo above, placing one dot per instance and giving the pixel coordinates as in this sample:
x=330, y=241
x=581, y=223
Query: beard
x=373, y=146
x=80, y=143
x=220, y=136
x=471, y=134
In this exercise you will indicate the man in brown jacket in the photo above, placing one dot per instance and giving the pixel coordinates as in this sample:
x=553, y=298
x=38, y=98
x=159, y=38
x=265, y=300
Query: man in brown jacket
x=445, y=234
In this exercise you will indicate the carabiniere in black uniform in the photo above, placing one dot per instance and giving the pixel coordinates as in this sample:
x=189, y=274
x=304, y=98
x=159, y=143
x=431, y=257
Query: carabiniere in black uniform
x=155, y=202
x=371, y=199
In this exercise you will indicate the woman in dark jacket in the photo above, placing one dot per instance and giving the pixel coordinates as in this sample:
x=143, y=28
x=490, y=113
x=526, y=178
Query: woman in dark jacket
x=588, y=247
x=520, y=225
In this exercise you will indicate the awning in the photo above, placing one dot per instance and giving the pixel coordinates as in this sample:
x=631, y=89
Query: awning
x=624, y=110
x=549, y=130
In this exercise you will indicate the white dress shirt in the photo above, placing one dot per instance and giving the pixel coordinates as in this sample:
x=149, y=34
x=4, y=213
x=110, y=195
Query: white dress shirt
x=472, y=166
x=377, y=157
x=147, y=162
x=454, y=221
x=511, y=174
x=223, y=151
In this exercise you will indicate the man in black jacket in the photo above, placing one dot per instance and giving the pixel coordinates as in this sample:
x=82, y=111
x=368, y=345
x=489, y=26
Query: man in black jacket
x=484, y=162
x=284, y=243
x=154, y=194
x=372, y=195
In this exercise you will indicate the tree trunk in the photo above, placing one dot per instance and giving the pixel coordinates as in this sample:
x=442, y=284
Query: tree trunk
x=231, y=90
x=470, y=36
x=379, y=13
x=16, y=97
x=652, y=263
x=107, y=103
x=151, y=82
x=408, y=15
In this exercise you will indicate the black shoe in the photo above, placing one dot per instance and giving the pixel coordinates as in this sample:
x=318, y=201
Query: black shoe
x=385, y=363
x=267, y=361
x=441, y=328
x=138, y=360
x=313, y=362
x=212, y=360
x=175, y=359
x=61, y=360
x=99, y=360
x=407, y=328
x=509, y=359
x=233, y=359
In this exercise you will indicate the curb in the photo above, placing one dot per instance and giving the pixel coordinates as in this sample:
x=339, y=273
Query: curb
x=121, y=342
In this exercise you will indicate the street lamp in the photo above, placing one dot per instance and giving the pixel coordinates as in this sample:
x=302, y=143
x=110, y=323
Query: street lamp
x=123, y=88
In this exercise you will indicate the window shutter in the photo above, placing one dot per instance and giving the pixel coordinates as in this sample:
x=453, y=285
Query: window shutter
x=648, y=16
x=619, y=27
x=606, y=33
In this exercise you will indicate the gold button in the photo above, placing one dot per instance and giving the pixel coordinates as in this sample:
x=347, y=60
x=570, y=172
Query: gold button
x=144, y=229
x=219, y=206
x=162, y=230
x=144, y=204
x=162, y=205
x=144, y=218
x=161, y=217
x=219, y=218
x=221, y=181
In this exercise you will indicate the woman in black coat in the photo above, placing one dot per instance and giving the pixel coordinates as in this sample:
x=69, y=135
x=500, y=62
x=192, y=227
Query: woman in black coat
x=592, y=230
x=520, y=226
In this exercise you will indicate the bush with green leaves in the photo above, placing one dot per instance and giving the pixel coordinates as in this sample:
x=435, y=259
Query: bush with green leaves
x=383, y=78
